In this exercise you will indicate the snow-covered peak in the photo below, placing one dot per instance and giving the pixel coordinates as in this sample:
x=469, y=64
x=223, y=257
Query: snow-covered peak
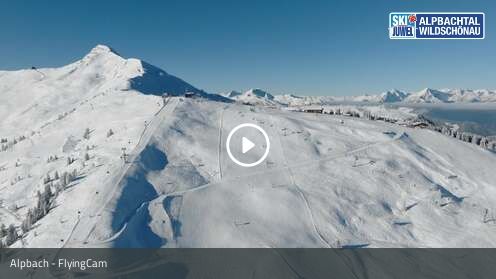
x=393, y=95
x=136, y=74
x=101, y=52
x=294, y=100
x=259, y=93
x=428, y=91
x=102, y=70
x=428, y=95
x=254, y=96
x=102, y=49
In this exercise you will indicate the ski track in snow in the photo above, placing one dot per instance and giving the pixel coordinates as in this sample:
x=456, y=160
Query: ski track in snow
x=146, y=135
x=298, y=189
x=220, y=146
x=274, y=170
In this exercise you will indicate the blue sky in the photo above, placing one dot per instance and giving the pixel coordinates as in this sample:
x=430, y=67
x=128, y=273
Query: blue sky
x=302, y=47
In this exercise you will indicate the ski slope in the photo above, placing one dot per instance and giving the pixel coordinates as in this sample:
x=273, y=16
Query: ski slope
x=162, y=178
x=324, y=184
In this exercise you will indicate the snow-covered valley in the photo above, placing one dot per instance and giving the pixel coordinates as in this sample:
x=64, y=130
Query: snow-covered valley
x=115, y=163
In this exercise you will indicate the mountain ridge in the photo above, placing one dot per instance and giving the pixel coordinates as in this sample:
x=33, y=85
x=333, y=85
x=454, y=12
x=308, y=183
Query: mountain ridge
x=103, y=62
x=426, y=95
x=104, y=67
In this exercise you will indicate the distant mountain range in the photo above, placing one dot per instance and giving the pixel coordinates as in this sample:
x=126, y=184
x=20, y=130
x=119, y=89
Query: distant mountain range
x=427, y=95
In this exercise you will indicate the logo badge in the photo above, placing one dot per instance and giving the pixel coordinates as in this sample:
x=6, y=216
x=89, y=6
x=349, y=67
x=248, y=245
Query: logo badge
x=422, y=25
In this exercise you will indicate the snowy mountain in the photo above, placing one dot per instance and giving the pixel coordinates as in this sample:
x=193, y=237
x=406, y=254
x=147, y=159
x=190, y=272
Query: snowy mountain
x=429, y=95
x=293, y=100
x=253, y=97
x=93, y=156
x=426, y=95
x=45, y=113
x=471, y=96
x=392, y=96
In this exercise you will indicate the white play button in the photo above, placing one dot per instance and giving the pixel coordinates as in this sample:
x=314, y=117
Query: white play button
x=257, y=138
x=246, y=145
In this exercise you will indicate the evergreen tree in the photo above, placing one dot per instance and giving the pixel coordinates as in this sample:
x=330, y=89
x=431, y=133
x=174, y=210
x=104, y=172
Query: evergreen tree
x=58, y=188
x=64, y=181
x=86, y=134
x=30, y=218
x=42, y=206
x=48, y=191
x=11, y=235
x=110, y=133
x=48, y=178
x=3, y=230
x=37, y=210
x=26, y=223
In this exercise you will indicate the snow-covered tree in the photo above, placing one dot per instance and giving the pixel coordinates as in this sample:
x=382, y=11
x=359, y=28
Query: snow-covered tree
x=110, y=133
x=86, y=134
x=52, y=158
x=48, y=190
x=58, y=188
x=64, y=179
x=3, y=230
x=30, y=217
x=484, y=143
x=74, y=174
x=12, y=235
x=86, y=157
x=476, y=139
x=47, y=179
x=27, y=222
x=43, y=205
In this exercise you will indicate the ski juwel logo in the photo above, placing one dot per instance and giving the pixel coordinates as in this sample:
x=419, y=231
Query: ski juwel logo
x=423, y=25
x=402, y=25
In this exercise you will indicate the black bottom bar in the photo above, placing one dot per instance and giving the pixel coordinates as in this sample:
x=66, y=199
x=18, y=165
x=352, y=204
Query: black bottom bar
x=248, y=263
